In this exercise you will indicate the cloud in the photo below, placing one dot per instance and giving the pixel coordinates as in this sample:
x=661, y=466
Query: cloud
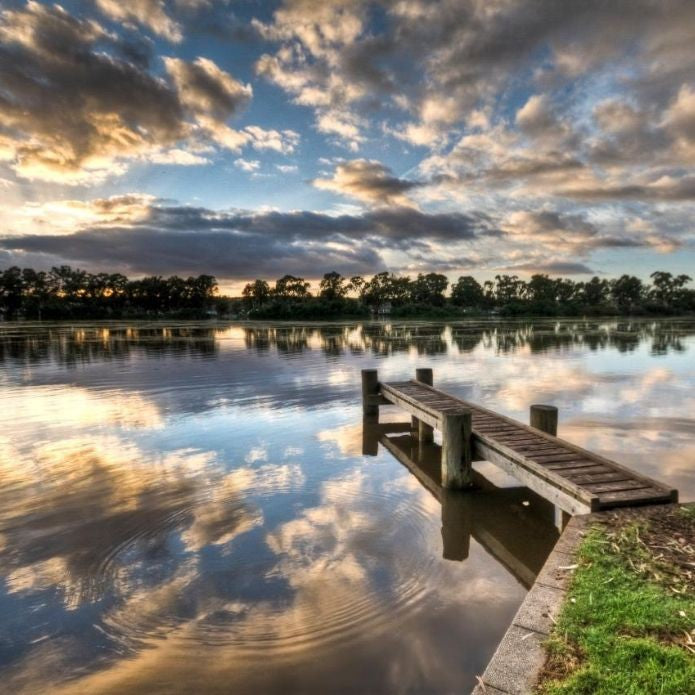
x=550, y=232
x=248, y=165
x=78, y=102
x=554, y=267
x=369, y=181
x=665, y=188
x=70, y=109
x=206, y=89
x=138, y=236
x=151, y=13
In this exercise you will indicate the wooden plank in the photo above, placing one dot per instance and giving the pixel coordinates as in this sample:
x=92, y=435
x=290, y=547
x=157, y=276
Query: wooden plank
x=617, y=486
x=569, y=465
x=630, y=497
x=581, y=479
x=595, y=469
x=557, y=458
x=565, y=494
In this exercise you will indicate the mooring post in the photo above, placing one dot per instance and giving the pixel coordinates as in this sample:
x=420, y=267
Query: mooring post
x=456, y=449
x=544, y=418
x=422, y=431
x=370, y=390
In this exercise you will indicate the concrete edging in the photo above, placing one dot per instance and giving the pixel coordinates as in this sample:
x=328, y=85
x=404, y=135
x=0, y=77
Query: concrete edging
x=520, y=656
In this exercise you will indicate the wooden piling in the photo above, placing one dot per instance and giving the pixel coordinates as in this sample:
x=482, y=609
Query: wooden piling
x=456, y=449
x=422, y=431
x=370, y=392
x=544, y=418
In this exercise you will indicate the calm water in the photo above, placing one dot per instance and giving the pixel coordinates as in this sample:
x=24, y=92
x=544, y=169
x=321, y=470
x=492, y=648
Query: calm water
x=196, y=508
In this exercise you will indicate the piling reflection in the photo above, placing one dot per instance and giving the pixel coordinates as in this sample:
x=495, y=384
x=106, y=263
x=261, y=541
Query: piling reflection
x=514, y=525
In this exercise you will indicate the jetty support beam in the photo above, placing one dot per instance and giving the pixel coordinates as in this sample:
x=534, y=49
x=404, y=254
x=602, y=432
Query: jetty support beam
x=544, y=418
x=423, y=431
x=457, y=471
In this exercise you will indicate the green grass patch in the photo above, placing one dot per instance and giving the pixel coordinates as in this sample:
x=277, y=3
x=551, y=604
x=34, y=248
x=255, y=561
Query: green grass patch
x=627, y=626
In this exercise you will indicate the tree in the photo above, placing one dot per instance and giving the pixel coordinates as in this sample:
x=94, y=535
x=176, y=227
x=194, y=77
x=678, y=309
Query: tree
x=667, y=288
x=467, y=291
x=333, y=286
x=386, y=287
x=627, y=292
x=36, y=291
x=429, y=289
x=256, y=293
x=541, y=289
x=508, y=288
x=291, y=287
x=595, y=292
x=201, y=290
x=356, y=283
x=11, y=290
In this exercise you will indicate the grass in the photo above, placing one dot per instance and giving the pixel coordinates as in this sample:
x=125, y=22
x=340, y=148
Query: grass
x=628, y=624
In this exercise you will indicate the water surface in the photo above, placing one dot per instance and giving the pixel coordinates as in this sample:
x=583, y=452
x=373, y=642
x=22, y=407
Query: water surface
x=196, y=507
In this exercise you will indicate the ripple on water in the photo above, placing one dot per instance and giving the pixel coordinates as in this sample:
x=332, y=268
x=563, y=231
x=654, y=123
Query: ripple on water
x=358, y=565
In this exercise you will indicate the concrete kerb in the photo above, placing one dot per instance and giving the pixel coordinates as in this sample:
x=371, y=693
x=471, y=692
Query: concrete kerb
x=520, y=656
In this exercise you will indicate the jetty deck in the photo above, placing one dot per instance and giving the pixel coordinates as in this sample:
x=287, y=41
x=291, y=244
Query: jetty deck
x=576, y=480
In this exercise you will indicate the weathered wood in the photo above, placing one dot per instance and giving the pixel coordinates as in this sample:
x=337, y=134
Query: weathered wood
x=544, y=418
x=425, y=432
x=561, y=492
x=563, y=473
x=457, y=471
x=370, y=387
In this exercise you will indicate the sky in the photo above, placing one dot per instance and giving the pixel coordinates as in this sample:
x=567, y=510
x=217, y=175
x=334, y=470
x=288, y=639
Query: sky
x=245, y=138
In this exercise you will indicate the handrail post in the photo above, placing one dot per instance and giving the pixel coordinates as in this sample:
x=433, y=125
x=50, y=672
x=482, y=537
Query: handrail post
x=457, y=471
x=370, y=390
x=423, y=431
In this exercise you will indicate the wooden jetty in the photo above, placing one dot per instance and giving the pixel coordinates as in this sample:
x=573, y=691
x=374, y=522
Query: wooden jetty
x=574, y=479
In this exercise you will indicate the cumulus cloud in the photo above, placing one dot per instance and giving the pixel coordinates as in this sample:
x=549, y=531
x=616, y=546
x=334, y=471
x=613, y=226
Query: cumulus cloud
x=206, y=89
x=151, y=13
x=75, y=106
x=551, y=232
x=370, y=181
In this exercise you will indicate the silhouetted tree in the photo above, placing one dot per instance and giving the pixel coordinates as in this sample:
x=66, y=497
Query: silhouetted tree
x=429, y=289
x=256, y=293
x=627, y=292
x=333, y=286
x=467, y=292
x=291, y=287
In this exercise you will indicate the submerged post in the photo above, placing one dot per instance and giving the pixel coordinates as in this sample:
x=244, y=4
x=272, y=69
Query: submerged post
x=544, y=418
x=423, y=432
x=456, y=449
x=370, y=391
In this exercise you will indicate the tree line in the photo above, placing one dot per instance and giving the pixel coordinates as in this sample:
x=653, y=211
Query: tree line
x=506, y=295
x=64, y=292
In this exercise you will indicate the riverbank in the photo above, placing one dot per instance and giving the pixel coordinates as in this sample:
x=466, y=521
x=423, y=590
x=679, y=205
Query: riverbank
x=612, y=611
x=628, y=624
